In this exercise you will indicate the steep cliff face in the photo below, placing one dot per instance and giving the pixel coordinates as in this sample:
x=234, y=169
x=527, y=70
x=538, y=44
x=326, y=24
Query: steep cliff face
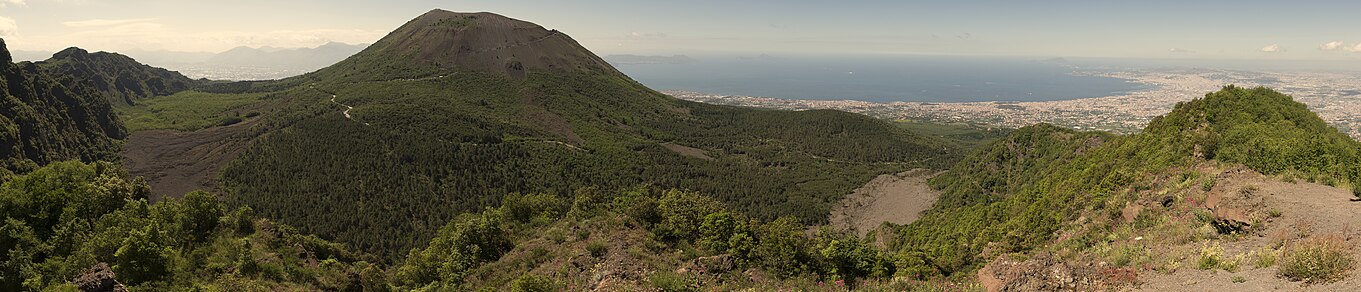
x=43, y=120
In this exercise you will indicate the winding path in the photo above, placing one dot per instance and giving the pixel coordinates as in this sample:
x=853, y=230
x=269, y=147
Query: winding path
x=346, y=112
x=347, y=108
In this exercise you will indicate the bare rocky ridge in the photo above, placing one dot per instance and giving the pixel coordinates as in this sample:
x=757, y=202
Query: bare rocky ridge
x=484, y=42
x=1302, y=210
x=1306, y=209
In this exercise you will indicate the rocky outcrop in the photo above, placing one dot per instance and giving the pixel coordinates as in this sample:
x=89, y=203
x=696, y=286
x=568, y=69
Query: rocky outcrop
x=99, y=278
x=1044, y=272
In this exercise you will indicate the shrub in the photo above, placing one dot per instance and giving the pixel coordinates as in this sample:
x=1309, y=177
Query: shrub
x=1266, y=258
x=141, y=259
x=597, y=248
x=459, y=247
x=533, y=283
x=718, y=230
x=228, y=121
x=1317, y=260
x=782, y=246
x=669, y=282
x=682, y=213
x=1239, y=279
x=525, y=208
x=1210, y=257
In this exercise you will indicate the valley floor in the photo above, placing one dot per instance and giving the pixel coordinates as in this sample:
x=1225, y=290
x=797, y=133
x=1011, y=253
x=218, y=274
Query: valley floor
x=896, y=198
x=175, y=162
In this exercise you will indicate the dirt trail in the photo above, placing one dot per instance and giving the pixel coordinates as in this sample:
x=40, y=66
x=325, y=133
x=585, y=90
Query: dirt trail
x=347, y=108
x=1307, y=208
x=897, y=198
x=175, y=163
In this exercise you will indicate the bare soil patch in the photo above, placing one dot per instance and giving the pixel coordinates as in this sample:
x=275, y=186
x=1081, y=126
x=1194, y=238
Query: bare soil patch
x=175, y=162
x=898, y=198
x=1305, y=210
x=687, y=151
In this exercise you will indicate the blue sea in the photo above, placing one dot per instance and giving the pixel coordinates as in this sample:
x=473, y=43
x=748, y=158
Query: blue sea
x=882, y=78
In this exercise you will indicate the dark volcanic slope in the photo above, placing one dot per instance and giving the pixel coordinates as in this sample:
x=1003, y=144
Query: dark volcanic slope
x=42, y=121
x=116, y=77
x=441, y=41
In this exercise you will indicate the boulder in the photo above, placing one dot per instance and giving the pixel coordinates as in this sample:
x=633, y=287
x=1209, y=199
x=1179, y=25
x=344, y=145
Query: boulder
x=99, y=278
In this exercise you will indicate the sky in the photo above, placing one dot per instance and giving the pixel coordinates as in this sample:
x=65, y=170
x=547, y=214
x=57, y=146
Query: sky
x=1249, y=30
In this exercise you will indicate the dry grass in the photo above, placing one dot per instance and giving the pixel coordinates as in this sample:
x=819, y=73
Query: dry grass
x=1320, y=259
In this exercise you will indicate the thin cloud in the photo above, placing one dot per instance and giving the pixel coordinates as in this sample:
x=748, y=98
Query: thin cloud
x=4, y=3
x=1356, y=48
x=105, y=22
x=8, y=27
x=1273, y=48
x=645, y=35
x=1331, y=46
x=1180, y=50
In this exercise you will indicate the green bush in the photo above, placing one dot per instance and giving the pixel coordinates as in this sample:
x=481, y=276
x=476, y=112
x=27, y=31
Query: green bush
x=1211, y=256
x=533, y=283
x=460, y=246
x=670, y=282
x=683, y=213
x=718, y=230
x=782, y=247
x=141, y=259
x=847, y=257
x=597, y=248
x=525, y=208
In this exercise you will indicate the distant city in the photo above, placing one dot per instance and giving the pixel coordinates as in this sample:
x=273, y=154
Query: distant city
x=1336, y=97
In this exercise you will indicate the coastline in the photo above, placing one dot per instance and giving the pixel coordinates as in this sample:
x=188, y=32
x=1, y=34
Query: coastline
x=1335, y=96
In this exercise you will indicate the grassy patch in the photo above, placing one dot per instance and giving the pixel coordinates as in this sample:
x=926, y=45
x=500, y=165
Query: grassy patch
x=187, y=111
x=1265, y=258
x=597, y=248
x=670, y=282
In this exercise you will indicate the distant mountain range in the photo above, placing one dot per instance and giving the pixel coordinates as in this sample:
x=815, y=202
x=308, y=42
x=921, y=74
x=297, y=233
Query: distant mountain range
x=240, y=63
x=637, y=59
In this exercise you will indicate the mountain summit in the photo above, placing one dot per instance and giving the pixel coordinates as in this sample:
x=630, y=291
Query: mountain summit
x=442, y=41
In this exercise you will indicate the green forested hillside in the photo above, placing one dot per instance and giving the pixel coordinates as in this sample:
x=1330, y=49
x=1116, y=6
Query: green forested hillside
x=1015, y=194
x=42, y=121
x=118, y=78
x=449, y=133
x=64, y=221
x=70, y=225
x=417, y=152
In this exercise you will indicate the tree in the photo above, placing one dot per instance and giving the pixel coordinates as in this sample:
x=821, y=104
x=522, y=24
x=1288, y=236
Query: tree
x=141, y=258
x=782, y=247
x=200, y=215
x=682, y=213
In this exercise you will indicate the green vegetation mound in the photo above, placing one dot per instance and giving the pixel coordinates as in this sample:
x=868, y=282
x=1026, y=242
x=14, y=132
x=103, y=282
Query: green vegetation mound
x=118, y=78
x=66, y=221
x=1016, y=194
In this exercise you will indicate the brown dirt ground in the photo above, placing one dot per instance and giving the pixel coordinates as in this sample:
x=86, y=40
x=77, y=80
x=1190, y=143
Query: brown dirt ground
x=1305, y=208
x=897, y=198
x=175, y=163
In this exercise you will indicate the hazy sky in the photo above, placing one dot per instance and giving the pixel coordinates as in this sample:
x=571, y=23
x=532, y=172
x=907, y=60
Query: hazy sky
x=1321, y=30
